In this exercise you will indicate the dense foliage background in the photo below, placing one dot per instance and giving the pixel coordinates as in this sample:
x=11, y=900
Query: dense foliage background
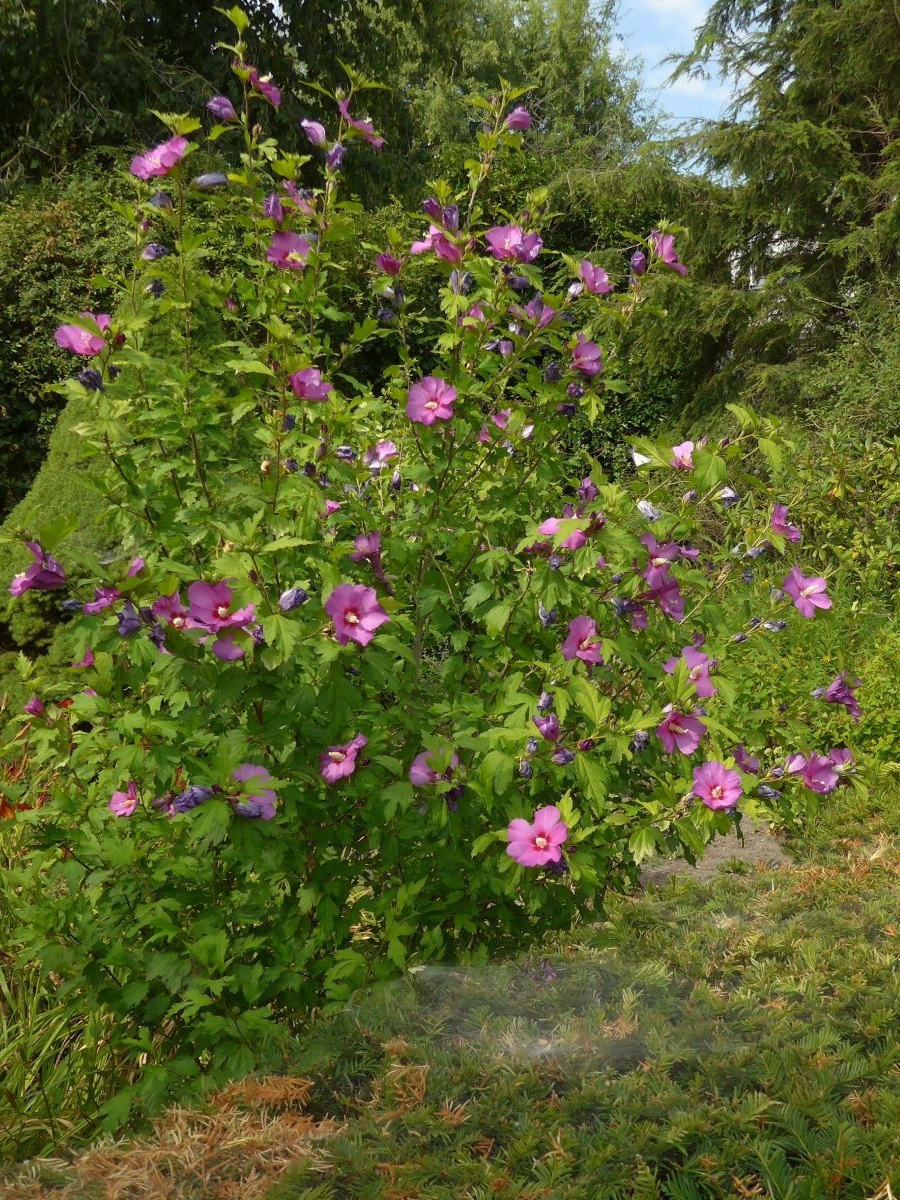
x=788, y=214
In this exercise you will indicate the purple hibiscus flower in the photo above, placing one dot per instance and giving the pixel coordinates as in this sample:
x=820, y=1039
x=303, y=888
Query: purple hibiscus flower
x=780, y=524
x=260, y=801
x=681, y=732
x=389, y=264
x=43, y=575
x=595, y=279
x=339, y=762
x=519, y=119
x=841, y=691
x=423, y=772
x=263, y=86
x=587, y=357
x=745, y=761
x=81, y=340
x=314, y=132
x=308, y=384
x=664, y=246
x=288, y=251
x=548, y=727
x=682, y=456
x=124, y=803
x=583, y=641
x=439, y=244
x=356, y=613
x=817, y=772
x=160, y=160
x=511, y=243
x=698, y=665
x=808, y=594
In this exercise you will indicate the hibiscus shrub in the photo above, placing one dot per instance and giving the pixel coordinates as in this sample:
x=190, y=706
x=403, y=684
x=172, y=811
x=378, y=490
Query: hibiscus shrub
x=379, y=675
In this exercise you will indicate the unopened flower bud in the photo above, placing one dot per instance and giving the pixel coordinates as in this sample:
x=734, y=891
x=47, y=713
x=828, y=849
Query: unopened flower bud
x=292, y=598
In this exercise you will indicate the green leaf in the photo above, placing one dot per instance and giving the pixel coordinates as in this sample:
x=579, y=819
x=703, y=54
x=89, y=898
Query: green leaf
x=495, y=618
x=237, y=17
x=643, y=843
x=250, y=366
x=772, y=453
x=497, y=771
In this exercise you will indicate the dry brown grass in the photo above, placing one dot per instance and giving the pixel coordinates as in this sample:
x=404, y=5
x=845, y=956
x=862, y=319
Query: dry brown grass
x=236, y=1150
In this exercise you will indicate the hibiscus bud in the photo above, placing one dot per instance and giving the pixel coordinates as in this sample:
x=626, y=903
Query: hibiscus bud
x=525, y=769
x=739, y=637
x=209, y=181
x=729, y=497
x=575, y=390
x=774, y=626
x=566, y=410
x=292, y=599
x=153, y=251
x=288, y=423
x=563, y=757
x=532, y=745
x=431, y=208
x=222, y=109
x=72, y=606
x=314, y=131
x=554, y=562
x=552, y=373
x=689, y=497
x=335, y=157
x=768, y=793
x=129, y=620
x=519, y=119
x=161, y=200
x=346, y=454
x=586, y=744
x=546, y=616
x=646, y=509
x=193, y=796
x=638, y=263
x=640, y=741
x=545, y=702
x=34, y=707
x=291, y=466
x=746, y=575
x=90, y=378
x=155, y=288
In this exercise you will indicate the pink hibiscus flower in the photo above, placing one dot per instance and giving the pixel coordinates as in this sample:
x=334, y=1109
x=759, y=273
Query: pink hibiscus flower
x=808, y=594
x=356, y=613
x=430, y=400
x=339, y=762
x=538, y=842
x=716, y=786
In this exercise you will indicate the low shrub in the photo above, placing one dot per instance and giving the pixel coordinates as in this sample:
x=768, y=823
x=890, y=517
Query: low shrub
x=377, y=672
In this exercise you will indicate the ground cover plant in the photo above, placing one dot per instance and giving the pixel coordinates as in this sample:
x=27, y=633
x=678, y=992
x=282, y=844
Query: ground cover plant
x=708, y=1040
x=377, y=673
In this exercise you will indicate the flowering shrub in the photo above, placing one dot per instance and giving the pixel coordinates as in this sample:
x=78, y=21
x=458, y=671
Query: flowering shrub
x=355, y=693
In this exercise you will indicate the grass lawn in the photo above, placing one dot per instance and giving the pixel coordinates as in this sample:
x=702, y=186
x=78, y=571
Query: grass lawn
x=735, y=1039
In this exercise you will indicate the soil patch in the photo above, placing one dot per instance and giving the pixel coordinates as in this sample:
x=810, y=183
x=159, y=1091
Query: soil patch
x=759, y=848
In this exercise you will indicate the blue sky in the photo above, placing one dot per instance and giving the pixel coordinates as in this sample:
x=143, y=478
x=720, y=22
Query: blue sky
x=651, y=29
